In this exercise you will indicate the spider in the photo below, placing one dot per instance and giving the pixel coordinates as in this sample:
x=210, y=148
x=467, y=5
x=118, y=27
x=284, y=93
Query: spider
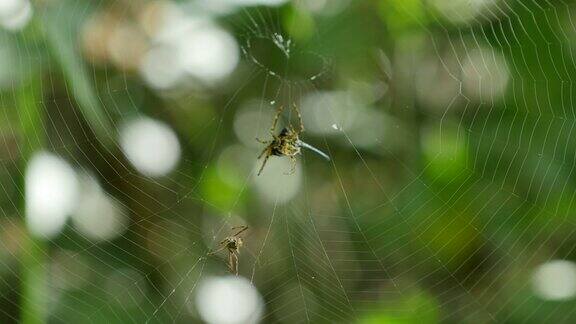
x=232, y=243
x=287, y=143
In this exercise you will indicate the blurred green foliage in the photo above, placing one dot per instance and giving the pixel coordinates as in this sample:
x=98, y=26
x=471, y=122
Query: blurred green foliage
x=442, y=215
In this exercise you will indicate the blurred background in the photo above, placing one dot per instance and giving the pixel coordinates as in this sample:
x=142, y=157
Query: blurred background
x=128, y=153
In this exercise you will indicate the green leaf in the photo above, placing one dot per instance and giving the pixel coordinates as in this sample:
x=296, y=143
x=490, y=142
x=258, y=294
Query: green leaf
x=61, y=23
x=34, y=276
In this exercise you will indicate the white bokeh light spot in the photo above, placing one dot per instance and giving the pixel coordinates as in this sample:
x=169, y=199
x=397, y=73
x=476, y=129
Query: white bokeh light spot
x=150, y=145
x=240, y=3
x=323, y=110
x=228, y=300
x=159, y=68
x=462, y=11
x=51, y=191
x=209, y=53
x=187, y=47
x=98, y=216
x=555, y=280
x=10, y=7
x=15, y=14
x=276, y=184
x=251, y=122
x=485, y=74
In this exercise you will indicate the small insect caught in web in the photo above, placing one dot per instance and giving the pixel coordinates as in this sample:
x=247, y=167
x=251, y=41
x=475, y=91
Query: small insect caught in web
x=232, y=243
x=287, y=143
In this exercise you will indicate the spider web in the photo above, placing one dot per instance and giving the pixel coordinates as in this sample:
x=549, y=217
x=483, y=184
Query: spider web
x=450, y=181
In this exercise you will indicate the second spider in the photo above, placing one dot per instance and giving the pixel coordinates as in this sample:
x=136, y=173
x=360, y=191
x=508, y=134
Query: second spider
x=232, y=244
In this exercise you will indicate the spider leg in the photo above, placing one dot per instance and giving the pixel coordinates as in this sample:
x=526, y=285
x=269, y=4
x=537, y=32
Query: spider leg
x=216, y=251
x=242, y=229
x=263, y=151
x=233, y=262
x=262, y=141
x=301, y=128
x=275, y=121
x=263, y=163
x=230, y=265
